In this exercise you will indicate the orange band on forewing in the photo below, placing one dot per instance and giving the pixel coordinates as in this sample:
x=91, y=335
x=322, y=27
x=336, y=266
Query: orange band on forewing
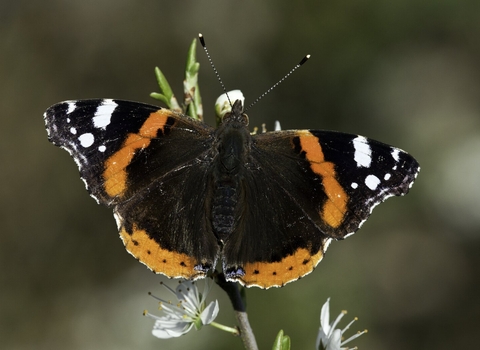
x=115, y=175
x=159, y=260
x=335, y=208
x=277, y=274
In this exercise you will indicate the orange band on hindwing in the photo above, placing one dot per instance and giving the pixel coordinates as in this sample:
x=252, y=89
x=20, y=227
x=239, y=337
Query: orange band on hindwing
x=159, y=260
x=277, y=274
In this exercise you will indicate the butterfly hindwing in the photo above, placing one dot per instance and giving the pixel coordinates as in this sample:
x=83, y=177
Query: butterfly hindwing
x=166, y=226
x=275, y=241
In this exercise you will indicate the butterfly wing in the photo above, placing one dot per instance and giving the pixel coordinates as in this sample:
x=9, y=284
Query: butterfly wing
x=303, y=188
x=152, y=166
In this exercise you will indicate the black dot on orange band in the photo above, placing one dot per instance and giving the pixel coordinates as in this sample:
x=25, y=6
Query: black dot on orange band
x=278, y=273
x=160, y=260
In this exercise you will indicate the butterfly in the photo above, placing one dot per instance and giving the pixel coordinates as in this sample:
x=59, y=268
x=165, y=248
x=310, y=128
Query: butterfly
x=187, y=196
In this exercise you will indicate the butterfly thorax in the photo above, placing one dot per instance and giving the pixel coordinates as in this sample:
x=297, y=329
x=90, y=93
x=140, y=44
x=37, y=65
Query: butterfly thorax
x=233, y=145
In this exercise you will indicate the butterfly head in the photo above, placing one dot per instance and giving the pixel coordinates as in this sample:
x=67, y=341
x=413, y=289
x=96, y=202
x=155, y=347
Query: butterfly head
x=236, y=115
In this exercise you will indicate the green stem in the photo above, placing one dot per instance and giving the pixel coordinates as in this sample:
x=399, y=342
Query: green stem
x=232, y=330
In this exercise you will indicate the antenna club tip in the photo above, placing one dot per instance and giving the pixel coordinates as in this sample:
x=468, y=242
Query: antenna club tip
x=305, y=59
x=202, y=40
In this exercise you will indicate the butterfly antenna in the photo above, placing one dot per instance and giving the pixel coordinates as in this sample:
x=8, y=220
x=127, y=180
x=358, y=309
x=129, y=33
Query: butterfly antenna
x=202, y=41
x=305, y=59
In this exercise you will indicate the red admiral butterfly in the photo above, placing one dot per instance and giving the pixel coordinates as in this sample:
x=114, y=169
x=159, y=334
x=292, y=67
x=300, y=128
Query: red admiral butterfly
x=185, y=195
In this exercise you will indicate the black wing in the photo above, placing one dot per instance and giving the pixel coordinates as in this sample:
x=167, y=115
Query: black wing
x=152, y=166
x=303, y=188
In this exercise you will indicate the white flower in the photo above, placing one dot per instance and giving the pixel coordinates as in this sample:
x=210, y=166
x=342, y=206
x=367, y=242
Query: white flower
x=328, y=337
x=222, y=105
x=190, y=311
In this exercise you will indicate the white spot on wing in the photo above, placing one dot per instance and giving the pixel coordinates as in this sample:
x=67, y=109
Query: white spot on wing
x=102, y=148
x=349, y=234
x=326, y=244
x=363, y=152
x=118, y=219
x=71, y=108
x=416, y=174
x=86, y=140
x=395, y=153
x=387, y=177
x=73, y=130
x=354, y=185
x=103, y=114
x=372, y=182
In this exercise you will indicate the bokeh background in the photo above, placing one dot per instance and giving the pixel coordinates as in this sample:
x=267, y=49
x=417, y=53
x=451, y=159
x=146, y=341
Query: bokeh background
x=403, y=72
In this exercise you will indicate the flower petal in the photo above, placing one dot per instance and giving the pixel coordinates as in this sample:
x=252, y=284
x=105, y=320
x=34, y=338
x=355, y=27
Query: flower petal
x=325, y=317
x=329, y=338
x=183, y=288
x=338, y=319
x=321, y=339
x=165, y=329
x=189, y=311
x=210, y=312
x=187, y=293
x=335, y=340
x=222, y=105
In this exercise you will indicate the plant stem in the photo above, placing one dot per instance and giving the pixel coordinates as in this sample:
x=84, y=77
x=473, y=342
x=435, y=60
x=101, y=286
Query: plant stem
x=234, y=331
x=233, y=292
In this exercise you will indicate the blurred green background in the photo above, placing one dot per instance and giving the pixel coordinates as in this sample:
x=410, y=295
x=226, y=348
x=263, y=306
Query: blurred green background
x=403, y=72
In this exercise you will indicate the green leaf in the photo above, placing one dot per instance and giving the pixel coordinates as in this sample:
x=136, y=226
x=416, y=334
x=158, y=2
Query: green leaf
x=282, y=342
x=166, y=94
x=192, y=65
x=160, y=97
x=192, y=105
x=191, y=90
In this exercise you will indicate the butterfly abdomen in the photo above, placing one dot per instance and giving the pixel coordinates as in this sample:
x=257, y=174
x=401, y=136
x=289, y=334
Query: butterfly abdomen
x=224, y=202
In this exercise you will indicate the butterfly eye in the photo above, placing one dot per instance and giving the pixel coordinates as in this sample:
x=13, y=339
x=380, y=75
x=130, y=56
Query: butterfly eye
x=244, y=119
